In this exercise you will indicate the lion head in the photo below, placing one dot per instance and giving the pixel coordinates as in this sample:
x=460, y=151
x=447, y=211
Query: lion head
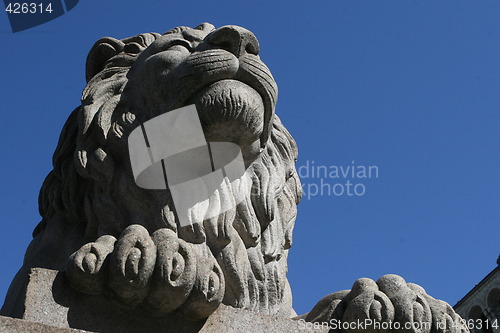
x=91, y=193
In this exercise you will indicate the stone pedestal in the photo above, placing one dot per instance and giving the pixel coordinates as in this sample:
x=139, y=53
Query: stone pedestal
x=52, y=307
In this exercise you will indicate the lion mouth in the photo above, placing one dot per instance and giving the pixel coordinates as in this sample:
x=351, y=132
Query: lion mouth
x=205, y=75
x=230, y=110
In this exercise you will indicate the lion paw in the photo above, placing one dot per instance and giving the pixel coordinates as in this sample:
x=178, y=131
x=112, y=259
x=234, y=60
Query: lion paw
x=387, y=305
x=160, y=272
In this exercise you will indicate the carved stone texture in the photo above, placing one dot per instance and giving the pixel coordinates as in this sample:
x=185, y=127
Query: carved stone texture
x=52, y=306
x=183, y=280
x=124, y=242
x=388, y=305
x=124, y=245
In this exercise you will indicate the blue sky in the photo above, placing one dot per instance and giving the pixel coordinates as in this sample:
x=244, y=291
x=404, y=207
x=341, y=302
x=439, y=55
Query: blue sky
x=411, y=87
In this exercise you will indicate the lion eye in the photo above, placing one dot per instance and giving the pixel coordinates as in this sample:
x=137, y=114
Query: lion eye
x=181, y=42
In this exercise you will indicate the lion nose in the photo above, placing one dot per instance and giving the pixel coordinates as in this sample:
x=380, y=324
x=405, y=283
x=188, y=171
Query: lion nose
x=234, y=39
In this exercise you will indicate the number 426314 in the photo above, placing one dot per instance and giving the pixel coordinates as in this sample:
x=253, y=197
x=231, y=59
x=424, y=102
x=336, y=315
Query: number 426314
x=28, y=8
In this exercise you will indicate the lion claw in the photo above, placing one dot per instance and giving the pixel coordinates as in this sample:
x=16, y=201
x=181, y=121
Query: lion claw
x=387, y=305
x=161, y=272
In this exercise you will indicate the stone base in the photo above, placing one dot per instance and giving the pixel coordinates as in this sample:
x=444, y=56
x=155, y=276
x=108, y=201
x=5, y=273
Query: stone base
x=11, y=325
x=51, y=306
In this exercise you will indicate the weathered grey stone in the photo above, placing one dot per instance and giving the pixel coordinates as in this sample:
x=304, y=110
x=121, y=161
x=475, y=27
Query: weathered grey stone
x=405, y=307
x=51, y=301
x=122, y=261
x=98, y=224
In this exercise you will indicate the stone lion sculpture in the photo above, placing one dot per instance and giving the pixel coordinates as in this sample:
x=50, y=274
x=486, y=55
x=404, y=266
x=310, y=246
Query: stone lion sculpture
x=116, y=239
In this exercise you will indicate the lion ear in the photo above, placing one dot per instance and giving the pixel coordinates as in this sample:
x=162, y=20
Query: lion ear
x=103, y=50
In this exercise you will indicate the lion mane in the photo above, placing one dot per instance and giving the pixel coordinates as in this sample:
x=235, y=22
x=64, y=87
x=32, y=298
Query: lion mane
x=91, y=191
x=111, y=238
